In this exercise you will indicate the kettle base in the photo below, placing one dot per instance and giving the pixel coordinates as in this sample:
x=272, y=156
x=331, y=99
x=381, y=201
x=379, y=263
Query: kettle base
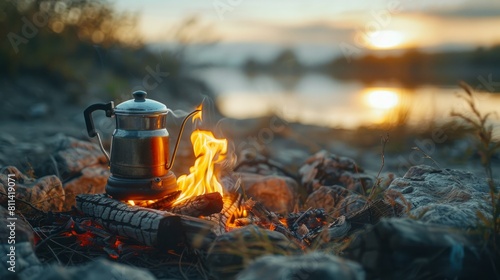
x=141, y=189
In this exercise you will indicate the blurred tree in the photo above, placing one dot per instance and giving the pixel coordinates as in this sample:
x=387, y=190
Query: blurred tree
x=191, y=35
x=58, y=38
x=287, y=62
x=414, y=68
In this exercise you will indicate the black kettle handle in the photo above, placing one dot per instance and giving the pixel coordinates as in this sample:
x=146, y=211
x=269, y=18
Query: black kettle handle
x=87, y=114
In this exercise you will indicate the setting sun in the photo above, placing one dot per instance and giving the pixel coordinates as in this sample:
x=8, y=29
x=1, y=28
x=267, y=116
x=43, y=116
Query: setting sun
x=382, y=98
x=385, y=39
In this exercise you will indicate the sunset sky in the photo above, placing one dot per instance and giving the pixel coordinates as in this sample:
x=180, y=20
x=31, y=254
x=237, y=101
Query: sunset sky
x=367, y=25
x=421, y=24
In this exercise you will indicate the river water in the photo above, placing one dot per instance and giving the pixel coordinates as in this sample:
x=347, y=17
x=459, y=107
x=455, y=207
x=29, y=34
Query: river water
x=319, y=99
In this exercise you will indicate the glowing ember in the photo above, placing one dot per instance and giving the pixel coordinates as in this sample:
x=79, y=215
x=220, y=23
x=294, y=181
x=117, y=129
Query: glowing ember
x=203, y=178
x=241, y=212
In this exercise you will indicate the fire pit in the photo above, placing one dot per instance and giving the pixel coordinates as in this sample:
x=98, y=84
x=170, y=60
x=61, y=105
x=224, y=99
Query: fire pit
x=213, y=221
x=142, y=187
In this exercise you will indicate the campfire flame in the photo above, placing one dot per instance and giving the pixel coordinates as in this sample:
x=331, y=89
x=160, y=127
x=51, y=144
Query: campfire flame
x=203, y=177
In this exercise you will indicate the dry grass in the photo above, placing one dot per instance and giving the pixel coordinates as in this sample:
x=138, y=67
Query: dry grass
x=487, y=147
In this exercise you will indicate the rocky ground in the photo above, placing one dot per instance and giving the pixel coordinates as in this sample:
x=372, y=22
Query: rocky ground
x=288, y=168
x=430, y=235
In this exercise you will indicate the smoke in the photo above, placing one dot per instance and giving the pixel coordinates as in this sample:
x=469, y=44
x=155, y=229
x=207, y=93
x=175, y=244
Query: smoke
x=178, y=113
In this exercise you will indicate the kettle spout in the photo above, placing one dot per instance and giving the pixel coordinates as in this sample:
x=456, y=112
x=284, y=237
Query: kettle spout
x=171, y=163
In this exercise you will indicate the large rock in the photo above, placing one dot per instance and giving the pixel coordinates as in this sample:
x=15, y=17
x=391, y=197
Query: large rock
x=350, y=205
x=326, y=197
x=23, y=231
x=233, y=251
x=99, y=269
x=46, y=193
x=26, y=264
x=253, y=162
x=22, y=261
x=277, y=193
x=80, y=164
x=69, y=156
x=407, y=249
x=310, y=266
x=326, y=169
x=444, y=196
x=28, y=267
x=92, y=180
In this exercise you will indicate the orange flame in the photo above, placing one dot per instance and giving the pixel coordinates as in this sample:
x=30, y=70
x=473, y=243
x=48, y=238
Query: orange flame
x=203, y=178
x=198, y=115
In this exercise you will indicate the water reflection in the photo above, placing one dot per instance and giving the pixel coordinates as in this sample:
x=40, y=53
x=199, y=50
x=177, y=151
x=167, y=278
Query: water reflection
x=320, y=100
x=382, y=98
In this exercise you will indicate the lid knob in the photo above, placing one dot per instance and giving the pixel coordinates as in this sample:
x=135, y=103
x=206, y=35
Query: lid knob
x=139, y=95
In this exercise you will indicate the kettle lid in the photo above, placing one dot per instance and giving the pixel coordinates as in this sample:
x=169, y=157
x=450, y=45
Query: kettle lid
x=140, y=105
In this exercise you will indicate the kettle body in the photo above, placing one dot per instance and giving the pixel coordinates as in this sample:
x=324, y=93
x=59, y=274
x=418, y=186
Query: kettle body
x=140, y=146
x=139, y=159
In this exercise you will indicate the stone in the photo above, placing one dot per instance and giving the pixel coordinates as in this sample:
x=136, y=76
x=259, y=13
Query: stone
x=23, y=231
x=444, y=196
x=310, y=266
x=98, y=269
x=351, y=204
x=396, y=248
x=46, y=193
x=80, y=164
x=69, y=156
x=27, y=265
x=93, y=180
x=326, y=197
x=39, y=110
x=356, y=182
x=253, y=162
x=326, y=169
x=233, y=251
x=276, y=193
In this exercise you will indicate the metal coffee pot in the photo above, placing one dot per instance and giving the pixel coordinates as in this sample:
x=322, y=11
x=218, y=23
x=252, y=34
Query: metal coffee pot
x=139, y=159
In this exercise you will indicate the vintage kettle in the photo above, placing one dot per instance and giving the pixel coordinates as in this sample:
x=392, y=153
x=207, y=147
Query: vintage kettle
x=139, y=158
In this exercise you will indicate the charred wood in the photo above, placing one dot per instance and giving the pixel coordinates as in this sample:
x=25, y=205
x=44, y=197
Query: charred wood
x=164, y=203
x=202, y=205
x=272, y=220
x=231, y=205
x=150, y=227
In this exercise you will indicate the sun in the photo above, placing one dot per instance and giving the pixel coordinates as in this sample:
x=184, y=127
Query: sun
x=382, y=99
x=385, y=39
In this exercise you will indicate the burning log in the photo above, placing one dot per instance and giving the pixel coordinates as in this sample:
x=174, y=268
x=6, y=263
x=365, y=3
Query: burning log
x=231, y=204
x=240, y=222
x=148, y=226
x=271, y=219
x=161, y=204
x=202, y=205
x=343, y=226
